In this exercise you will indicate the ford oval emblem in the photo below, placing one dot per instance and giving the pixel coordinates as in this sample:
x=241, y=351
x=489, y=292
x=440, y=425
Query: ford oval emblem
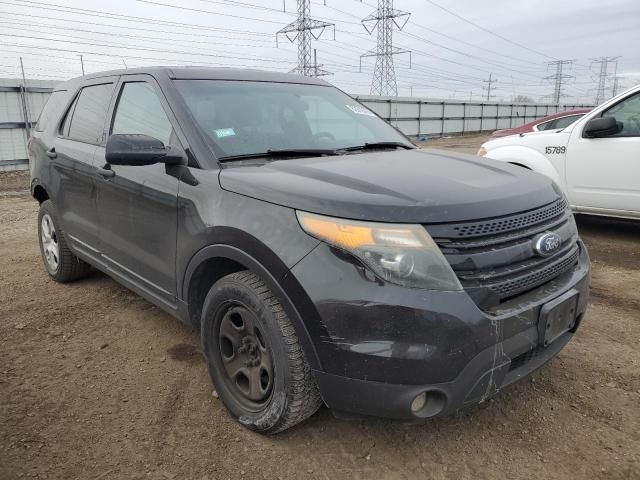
x=547, y=244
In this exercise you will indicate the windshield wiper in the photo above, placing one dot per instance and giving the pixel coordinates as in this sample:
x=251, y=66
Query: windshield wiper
x=375, y=145
x=289, y=152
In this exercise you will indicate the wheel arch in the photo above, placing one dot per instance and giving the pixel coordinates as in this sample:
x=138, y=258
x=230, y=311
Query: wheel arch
x=517, y=164
x=39, y=193
x=215, y=261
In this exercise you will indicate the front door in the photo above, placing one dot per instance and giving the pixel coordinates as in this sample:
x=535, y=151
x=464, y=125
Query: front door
x=137, y=204
x=603, y=173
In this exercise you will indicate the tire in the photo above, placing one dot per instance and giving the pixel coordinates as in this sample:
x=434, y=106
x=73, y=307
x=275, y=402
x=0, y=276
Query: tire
x=245, y=330
x=59, y=262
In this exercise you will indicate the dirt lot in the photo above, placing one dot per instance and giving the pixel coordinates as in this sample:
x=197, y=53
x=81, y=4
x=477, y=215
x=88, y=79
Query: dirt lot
x=96, y=383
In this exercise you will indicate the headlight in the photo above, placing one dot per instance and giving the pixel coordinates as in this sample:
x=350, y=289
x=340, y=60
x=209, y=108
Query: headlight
x=402, y=254
x=482, y=152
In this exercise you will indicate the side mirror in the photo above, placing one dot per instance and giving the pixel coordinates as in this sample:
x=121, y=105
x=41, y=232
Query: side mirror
x=138, y=150
x=601, y=127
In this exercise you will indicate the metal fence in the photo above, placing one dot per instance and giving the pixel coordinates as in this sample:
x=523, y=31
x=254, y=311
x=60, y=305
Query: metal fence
x=433, y=117
x=20, y=108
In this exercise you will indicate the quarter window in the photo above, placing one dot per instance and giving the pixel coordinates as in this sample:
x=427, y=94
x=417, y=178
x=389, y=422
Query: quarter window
x=87, y=122
x=140, y=112
x=51, y=110
x=544, y=126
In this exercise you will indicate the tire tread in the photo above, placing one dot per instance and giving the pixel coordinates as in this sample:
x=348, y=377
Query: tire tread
x=303, y=395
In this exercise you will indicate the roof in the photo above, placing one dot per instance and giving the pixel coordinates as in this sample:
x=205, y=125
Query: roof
x=205, y=73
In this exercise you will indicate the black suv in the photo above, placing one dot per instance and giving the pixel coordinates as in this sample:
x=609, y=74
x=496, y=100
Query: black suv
x=323, y=257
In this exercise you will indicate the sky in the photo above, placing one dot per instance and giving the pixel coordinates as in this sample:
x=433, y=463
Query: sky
x=455, y=45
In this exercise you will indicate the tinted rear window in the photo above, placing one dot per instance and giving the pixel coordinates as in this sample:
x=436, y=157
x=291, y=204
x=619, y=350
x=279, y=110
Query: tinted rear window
x=52, y=110
x=89, y=115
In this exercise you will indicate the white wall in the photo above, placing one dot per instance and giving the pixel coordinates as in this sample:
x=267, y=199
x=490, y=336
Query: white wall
x=429, y=116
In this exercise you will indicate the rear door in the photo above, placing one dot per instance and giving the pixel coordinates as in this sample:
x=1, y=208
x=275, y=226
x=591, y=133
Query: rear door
x=137, y=205
x=603, y=173
x=73, y=167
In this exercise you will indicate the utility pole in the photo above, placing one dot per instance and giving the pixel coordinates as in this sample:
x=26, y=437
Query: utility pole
x=318, y=71
x=558, y=78
x=602, y=76
x=490, y=86
x=384, y=19
x=304, y=29
x=82, y=64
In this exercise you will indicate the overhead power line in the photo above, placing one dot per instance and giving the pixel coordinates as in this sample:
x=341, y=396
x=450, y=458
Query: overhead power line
x=490, y=32
x=122, y=17
x=147, y=49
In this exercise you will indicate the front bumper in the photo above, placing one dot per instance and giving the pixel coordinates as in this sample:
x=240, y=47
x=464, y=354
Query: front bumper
x=381, y=345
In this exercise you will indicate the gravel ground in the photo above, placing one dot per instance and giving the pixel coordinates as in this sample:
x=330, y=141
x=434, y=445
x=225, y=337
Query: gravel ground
x=96, y=383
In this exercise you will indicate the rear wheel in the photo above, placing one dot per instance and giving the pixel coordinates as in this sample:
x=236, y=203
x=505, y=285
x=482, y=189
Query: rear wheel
x=254, y=357
x=61, y=264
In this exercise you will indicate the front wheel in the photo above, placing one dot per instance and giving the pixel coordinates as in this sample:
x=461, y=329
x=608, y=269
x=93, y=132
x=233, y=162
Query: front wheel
x=255, y=360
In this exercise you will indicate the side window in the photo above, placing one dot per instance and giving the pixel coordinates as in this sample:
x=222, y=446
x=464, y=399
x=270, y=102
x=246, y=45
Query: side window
x=627, y=112
x=139, y=111
x=87, y=121
x=51, y=111
x=564, y=122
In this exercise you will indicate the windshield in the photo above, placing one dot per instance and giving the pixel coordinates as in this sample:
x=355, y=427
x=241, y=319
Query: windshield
x=248, y=117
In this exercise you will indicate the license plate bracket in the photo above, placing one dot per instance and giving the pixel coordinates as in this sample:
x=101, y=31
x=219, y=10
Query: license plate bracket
x=557, y=317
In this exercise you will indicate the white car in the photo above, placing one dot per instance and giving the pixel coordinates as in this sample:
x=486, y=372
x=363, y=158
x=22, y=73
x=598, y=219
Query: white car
x=596, y=160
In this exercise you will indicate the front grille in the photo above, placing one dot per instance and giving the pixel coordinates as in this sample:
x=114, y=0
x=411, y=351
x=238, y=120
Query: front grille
x=495, y=260
x=512, y=222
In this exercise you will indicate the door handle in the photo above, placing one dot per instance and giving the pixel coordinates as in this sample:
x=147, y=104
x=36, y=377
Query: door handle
x=51, y=153
x=106, y=172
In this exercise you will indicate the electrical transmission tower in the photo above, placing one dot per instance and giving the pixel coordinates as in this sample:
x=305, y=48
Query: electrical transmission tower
x=558, y=78
x=303, y=29
x=616, y=81
x=384, y=73
x=616, y=85
x=602, y=76
x=490, y=86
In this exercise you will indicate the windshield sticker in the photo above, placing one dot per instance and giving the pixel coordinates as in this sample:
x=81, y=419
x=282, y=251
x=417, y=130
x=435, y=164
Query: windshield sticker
x=360, y=110
x=224, y=132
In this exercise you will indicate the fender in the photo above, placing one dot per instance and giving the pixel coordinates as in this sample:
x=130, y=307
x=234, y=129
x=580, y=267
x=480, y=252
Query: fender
x=272, y=277
x=527, y=157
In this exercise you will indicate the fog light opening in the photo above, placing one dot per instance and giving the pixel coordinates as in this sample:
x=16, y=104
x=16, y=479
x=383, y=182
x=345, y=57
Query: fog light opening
x=428, y=404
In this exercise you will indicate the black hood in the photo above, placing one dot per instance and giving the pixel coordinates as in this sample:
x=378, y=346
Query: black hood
x=402, y=186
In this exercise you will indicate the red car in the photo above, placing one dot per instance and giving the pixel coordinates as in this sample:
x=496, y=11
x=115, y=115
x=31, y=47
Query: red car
x=557, y=120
